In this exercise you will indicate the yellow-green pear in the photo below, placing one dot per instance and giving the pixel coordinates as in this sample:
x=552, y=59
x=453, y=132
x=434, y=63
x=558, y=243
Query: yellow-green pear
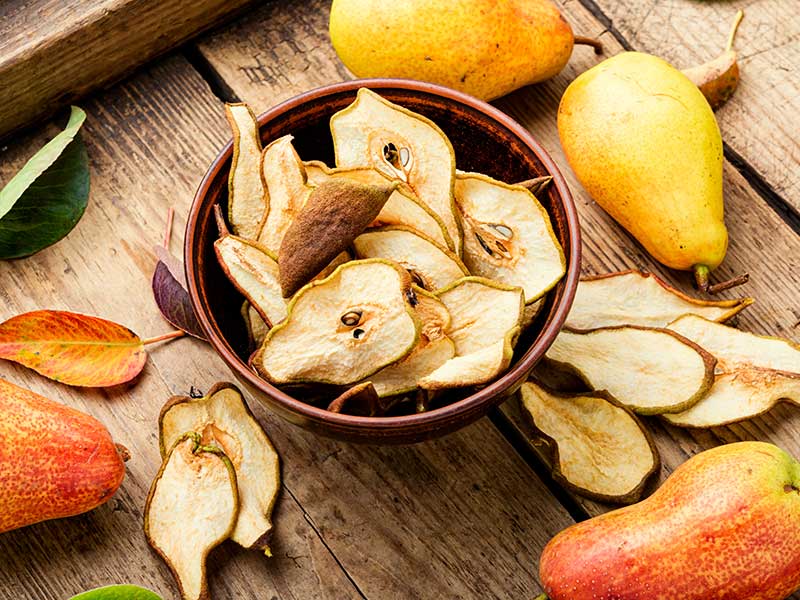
x=644, y=143
x=486, y=48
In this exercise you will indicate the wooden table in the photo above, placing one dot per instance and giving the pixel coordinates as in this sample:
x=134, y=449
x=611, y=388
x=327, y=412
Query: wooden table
x=462, y=517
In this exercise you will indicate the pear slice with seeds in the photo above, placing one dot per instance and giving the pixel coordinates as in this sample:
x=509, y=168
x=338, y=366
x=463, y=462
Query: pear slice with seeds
x=640, y=298
x=401, y=144
x=597, y=447
x=753, y=373
x=191, y=508
x=343, y=328
x=248, y=201
x=285, y=178
x=649, y=370
x=431, y=266
x=402, y=207
x=485, y=317
x=223, y=419
x=507, y=235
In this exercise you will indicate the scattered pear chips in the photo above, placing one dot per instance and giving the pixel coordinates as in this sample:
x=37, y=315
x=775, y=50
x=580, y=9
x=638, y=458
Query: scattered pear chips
x=597, y=447
x=192, y=508
x=247, y=194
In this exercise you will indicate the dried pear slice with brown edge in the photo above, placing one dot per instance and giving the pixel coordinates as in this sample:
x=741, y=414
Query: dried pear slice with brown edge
x=334, y=214
x=508, y=236
x=284, y=175
x=530, y=313
x=598, y=447
x=401, y=144
x=640, y=298
x=253, y=270
x=254, y=324
x=649, y=370
x=248, y=201
x=485, y=317
x=360, y=400
x=432, y=266
x=753, y=373
x=343, y=328
x=191, y=508
x=222, y=418
x=402, y=207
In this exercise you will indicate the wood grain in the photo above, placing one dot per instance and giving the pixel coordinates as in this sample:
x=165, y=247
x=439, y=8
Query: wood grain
x=761, y=121
x=462, y=517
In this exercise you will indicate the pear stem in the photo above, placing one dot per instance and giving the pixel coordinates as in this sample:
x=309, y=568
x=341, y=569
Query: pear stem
x=736, y=21
x=123, y=452
x=542, y=597
x=222, y=226
x=168, y=230
x=163, y=338
x=701, y=275
x=587, y=41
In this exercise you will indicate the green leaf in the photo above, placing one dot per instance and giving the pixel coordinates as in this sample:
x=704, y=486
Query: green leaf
x=47, y=198
x=118, y=592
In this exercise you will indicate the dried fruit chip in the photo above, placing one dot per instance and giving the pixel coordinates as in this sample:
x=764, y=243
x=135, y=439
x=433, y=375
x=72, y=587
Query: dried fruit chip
x=753, y=373
x=432, y=267
x=247, y=194
x=651, y=371
x=343, y=328
x=401, y=144
x=640, y=298
x=223, y=419
x=256, y=327
x=191, y=509
x=597, y=446
x=507, y=235
x=360, y=400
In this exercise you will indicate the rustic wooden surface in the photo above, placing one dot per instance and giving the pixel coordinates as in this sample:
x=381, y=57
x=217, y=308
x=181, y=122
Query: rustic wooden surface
x=463, y=517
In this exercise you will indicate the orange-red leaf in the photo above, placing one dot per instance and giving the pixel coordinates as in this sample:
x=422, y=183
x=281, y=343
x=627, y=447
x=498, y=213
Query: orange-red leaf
x=72, y=348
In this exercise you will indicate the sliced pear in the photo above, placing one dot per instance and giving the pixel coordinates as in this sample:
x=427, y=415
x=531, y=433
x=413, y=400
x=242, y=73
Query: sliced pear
x=285, y=178
x=538, y=185
x=360, y=400
x=343, y=328
x=507, y=235
x=402, y=207
x=597, y=447
x=334, y=214
x=401, y=144
x=191, y=509
x=431, y=266
x=255, y=325
x=530, y=313
x=484, y=327
x=651, y=371
x=223, y=419
x=640, y=298
x=248, y=201
x=753, y=373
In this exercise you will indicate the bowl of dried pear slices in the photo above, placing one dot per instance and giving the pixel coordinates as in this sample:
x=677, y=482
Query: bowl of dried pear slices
x=381, y=261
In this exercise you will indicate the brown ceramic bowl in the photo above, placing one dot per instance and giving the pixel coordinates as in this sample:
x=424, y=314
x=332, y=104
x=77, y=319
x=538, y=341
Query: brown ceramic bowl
x=485, y=140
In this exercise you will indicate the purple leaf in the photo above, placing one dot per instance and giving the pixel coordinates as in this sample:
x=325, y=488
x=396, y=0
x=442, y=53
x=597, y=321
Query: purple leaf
x=173, y=300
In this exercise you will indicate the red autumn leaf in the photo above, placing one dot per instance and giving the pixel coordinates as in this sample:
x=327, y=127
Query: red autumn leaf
x=72, y=348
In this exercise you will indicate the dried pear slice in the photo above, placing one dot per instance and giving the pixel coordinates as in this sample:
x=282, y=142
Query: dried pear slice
x=508, y=236
x=530, y=313
x=255, y=325
x=649, y=370
x=485, y=317
x=432, y=267
x=753, y=373
x=401, y=144
x=640, y=298
x=222, y=418
x=597, y=447
x=402, y=207
x=248, y=201
x=334, y=214
x=284, y=175
x=191, y=508
x=360, y=400
x=343, y=328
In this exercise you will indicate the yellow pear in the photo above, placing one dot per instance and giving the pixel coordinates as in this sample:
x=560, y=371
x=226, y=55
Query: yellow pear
x=486, y=48
x=644, y=143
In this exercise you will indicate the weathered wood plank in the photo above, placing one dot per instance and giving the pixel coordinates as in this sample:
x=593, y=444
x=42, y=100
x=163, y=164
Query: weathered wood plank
x=760, y=123
x=462, y=517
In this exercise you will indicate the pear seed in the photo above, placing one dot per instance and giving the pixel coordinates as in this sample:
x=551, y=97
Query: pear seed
x=505, y=232
x=484, y=245
x=357, y=333
x=352, y=318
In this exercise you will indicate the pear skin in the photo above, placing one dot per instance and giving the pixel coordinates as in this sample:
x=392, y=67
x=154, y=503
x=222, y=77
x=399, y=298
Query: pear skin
x=54, y=461
x=644, y=143
x=725, y=524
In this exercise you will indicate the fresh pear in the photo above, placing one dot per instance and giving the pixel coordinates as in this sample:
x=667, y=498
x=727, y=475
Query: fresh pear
x=486, y=49
x=644, y=143
x=54, y=460
x=726, y=524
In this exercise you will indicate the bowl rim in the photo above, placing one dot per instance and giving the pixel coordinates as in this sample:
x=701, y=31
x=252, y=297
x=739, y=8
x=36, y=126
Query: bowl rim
x=444, y=414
